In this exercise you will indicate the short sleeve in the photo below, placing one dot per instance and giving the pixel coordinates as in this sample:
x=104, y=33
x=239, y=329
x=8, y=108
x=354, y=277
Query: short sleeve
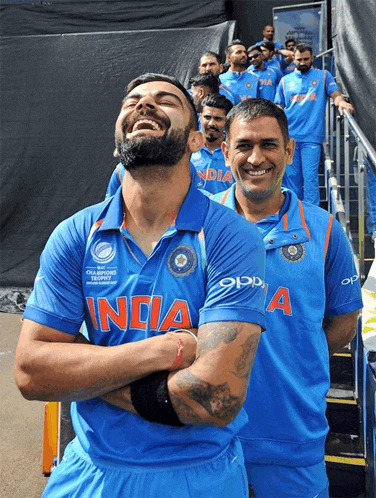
x=330, y=84
x=343, y=292
x=235, y=271
x=57, y=298
x=280, y=94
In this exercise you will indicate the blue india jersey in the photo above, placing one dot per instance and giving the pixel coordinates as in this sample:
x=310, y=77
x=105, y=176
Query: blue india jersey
x=207, y=267
x=241, y=85
x=310, y=273
x=268, y=81
x=213, y=174
x=303, y=96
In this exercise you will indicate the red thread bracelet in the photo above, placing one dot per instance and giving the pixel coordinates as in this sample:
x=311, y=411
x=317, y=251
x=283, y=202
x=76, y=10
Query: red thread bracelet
x=179, y=356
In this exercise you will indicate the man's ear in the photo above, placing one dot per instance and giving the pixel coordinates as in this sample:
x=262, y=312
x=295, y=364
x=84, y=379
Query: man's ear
x=196, y=141
x=224, y=147
x=221, y=66
x=290, y=149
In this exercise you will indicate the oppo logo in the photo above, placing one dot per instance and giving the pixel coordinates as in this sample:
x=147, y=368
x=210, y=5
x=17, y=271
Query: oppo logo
x=350, y=281
x=241, y=282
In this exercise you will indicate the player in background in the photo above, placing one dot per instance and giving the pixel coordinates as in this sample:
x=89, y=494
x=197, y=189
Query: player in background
x=210, y=62
x=302, y=94
x=237, y=79
x=268, y=77
x=209, y=162
x=312, y=298
x=155, y=411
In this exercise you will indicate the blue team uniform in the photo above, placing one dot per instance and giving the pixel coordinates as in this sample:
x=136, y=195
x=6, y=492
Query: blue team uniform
x=226, y=92
x=303, y=96
x=276, y=65
x=213, y=174
x=118, y=174
x=268, y=81
x=241, y=85
x=123, y=296
x=309, y=273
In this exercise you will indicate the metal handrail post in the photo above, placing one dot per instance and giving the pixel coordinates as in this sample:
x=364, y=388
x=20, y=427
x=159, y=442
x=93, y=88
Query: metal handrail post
x=338, y=149
x=361, y=209
x=346, y=146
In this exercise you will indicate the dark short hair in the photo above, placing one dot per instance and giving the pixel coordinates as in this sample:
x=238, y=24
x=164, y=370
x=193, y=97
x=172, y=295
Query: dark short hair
x=234, y=42
x=303, y=47
x=149, y=77
x=254, y=47
x=266, y=25
x=208, y=79
x=211, y=54
x=267, y=44
x=251, y=109
x=218, y=101
x=290, y=40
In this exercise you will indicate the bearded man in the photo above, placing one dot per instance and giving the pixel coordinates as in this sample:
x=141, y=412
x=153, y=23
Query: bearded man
x=170, y=287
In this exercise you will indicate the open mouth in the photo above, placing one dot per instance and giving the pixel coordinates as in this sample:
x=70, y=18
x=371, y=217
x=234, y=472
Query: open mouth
x=146, y=124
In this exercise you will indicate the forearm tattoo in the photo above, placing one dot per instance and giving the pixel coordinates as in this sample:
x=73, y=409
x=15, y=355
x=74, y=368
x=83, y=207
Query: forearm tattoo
x=216, y=399
x=218, y=342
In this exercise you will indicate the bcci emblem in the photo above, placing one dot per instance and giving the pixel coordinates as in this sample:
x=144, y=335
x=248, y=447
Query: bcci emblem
x=102, y=252
x=294, y=253
x=182, y=261
x=314, y=82
x=249, y=85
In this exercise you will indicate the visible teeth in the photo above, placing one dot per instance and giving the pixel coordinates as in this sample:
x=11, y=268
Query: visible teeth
x=257, y=173
x=142, y=122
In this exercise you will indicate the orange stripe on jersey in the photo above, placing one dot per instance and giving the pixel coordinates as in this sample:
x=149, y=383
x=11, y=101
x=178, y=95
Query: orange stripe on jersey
x=96, y=225
x=285, y=222
x=303, y=219
x=328, y=232
x=223, y=200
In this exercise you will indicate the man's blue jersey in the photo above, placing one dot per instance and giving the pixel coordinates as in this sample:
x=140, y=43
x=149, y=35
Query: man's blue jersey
x=242, y=85
x=268, y=81
x=310, y=273
x=207, y=267
x=226, y=92
x=289, y=69
x=214, y=176
x=274, y=64
x=118, y=174
x=303, y=96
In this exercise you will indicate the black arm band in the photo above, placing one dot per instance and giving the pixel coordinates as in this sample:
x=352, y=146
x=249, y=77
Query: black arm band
x=151, y=400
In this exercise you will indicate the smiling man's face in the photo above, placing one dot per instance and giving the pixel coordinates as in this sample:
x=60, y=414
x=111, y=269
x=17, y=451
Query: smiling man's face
x=153, y=125
x=257, y=155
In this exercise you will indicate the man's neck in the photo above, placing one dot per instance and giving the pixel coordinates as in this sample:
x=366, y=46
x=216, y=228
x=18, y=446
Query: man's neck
x=212, y=146
x=237, y=68
x=260, y=67
x=152, y=198
x=255, y=210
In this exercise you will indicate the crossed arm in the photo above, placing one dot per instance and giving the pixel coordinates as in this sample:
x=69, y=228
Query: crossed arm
x=209, y=389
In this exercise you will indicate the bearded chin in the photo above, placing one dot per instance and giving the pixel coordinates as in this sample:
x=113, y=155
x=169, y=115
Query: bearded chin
x=143, y=151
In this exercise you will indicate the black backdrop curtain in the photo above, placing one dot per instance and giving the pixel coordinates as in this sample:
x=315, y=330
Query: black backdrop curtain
x=60, y=96
x=353, y=27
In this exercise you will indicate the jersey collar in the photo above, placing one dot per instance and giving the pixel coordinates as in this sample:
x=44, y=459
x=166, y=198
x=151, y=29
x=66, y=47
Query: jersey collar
x=190, y=217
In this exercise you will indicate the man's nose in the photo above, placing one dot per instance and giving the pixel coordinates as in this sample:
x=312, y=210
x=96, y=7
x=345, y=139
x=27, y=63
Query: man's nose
x=146, y=102
x=256, y=157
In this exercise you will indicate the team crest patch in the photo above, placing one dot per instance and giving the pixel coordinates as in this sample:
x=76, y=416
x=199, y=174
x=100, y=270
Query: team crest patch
x=249, y=85
x=102, y=252
x=314, y=82
x=293, y=253
x=182, y=261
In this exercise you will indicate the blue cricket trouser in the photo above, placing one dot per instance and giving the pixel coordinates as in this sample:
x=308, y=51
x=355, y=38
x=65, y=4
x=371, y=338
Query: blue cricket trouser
x=278, y=481
x=302, y=176
x=78, y=476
